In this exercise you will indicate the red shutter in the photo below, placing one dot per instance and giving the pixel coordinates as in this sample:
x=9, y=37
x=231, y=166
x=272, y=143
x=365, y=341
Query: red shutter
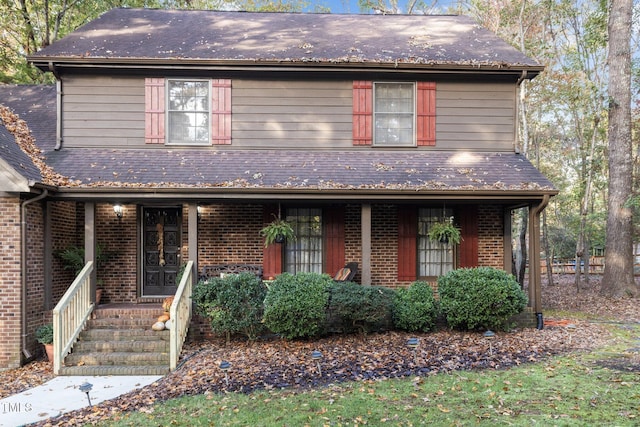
x=221, y=111
x=154, y=111
x=334, y=239
x=407, y=243
x=468, y=220
x=362, y=112
x=272, y=254
x=426, y=114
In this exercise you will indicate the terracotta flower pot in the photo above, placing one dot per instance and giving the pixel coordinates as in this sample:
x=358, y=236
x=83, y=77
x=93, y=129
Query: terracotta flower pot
x=49, y=349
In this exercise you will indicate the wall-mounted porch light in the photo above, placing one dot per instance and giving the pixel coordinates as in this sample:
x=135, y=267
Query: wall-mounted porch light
x=118, y=210
x=199, y=210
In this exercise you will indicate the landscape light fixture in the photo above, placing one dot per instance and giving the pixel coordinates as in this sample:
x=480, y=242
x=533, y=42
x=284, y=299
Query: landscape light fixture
x=490, y=335
x=412, y=343
x=224, y=367
x=571, y=327
x=316, y=355
x=118, y=210
x=86, y=388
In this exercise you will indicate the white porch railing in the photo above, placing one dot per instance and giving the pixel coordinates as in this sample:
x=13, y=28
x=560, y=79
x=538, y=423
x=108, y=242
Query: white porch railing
x=70, y=315
x=180, y=313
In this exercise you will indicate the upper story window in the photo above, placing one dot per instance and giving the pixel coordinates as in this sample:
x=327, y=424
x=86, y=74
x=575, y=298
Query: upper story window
x=188, y=109
x=394, y=114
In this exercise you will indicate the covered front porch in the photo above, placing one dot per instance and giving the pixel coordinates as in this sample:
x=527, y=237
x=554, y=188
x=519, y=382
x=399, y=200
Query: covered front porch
x=147, y=262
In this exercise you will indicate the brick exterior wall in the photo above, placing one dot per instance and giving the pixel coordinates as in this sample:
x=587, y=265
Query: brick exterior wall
x=118, y=274
x=229, y=234
x=384, y=245
x=490, y=236
x=37, y=313
x=10, y=292
x=64, y=234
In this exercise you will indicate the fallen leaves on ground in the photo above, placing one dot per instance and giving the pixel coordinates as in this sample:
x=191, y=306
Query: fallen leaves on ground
x=17, y=380
x=275, y=364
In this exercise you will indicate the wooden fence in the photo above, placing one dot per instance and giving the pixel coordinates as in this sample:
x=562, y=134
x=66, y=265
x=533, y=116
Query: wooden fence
x=596, y=264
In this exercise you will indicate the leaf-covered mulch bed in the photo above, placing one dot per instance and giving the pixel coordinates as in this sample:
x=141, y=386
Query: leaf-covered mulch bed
x=277, y=363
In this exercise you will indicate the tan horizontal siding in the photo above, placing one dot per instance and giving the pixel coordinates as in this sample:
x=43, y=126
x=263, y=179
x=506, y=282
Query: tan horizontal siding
x=109, y=111
x=302, y=114
x=103, y=111
x=475, y=116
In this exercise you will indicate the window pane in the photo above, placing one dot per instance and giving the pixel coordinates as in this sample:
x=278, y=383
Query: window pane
x=305, y=253
x=394, y=114
x=188, y=111
x=434, y=258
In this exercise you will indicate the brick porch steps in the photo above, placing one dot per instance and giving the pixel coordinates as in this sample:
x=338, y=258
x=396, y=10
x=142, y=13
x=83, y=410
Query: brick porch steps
x=118, y=340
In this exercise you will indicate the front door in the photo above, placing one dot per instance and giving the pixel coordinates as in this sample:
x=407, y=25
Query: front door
x=162, y=243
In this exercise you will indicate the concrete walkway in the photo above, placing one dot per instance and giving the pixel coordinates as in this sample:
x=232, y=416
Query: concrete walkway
x=62, y=394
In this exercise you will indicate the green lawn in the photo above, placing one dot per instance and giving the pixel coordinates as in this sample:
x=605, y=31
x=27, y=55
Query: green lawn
x=574, y=390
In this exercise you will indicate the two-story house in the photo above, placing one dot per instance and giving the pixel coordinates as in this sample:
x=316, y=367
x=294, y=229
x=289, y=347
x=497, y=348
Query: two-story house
x=178, y=135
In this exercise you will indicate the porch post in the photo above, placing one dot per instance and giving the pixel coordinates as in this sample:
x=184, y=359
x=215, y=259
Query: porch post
x=90, y=243
x=535, y=276
x=192, y=208
x=365, y=224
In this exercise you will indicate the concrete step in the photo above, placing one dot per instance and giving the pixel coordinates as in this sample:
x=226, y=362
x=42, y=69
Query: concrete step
x=121, y=311
x=114, y=370
x=117, y=359
x=121, y=346
x=121, y=323
x=118, y=340
x=124, y=335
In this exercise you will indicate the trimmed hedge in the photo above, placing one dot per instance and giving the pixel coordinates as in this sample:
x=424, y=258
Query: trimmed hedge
x=480, y=298
x=295, y=305
x=353, y=307
x=233, y=304
x=415, y=308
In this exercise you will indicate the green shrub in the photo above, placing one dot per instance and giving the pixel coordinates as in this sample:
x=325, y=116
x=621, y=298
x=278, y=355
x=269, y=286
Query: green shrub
x=44, y=334
x=233, y=304
x=415, y=308
x=295, y=305
x=480, y=298
x=365, y=308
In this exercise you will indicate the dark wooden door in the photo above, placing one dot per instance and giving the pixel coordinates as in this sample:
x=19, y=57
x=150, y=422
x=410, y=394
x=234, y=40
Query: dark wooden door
x=162, y=243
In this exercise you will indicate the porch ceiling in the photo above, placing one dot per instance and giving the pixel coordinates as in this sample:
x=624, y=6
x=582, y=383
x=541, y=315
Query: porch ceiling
x=315, y=174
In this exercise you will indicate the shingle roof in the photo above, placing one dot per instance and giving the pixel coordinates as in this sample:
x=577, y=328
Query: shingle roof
x=296, y=170
x=285, y=38
x=36, y=106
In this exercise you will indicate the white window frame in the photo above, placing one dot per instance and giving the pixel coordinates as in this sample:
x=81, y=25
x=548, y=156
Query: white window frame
x=170, y=112
x=379, y=114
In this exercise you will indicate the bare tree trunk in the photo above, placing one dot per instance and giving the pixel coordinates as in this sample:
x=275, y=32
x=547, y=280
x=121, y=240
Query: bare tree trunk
x=618, y=268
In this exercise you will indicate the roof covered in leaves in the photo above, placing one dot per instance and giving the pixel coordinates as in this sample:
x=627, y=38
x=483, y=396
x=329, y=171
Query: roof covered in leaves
x=27, y=115
x=433, y=171
x=134, y=35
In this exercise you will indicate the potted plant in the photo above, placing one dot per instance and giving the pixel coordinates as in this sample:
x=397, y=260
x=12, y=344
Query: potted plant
x=73, y=259
x=277, y=231
x=44, y=335
x=445, y=231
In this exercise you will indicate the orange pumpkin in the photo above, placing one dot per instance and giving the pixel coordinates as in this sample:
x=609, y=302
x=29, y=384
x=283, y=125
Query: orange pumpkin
x=166, y=304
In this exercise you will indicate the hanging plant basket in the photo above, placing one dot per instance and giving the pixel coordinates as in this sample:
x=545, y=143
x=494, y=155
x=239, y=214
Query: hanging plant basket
x=278, y=231
x=445, y=232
